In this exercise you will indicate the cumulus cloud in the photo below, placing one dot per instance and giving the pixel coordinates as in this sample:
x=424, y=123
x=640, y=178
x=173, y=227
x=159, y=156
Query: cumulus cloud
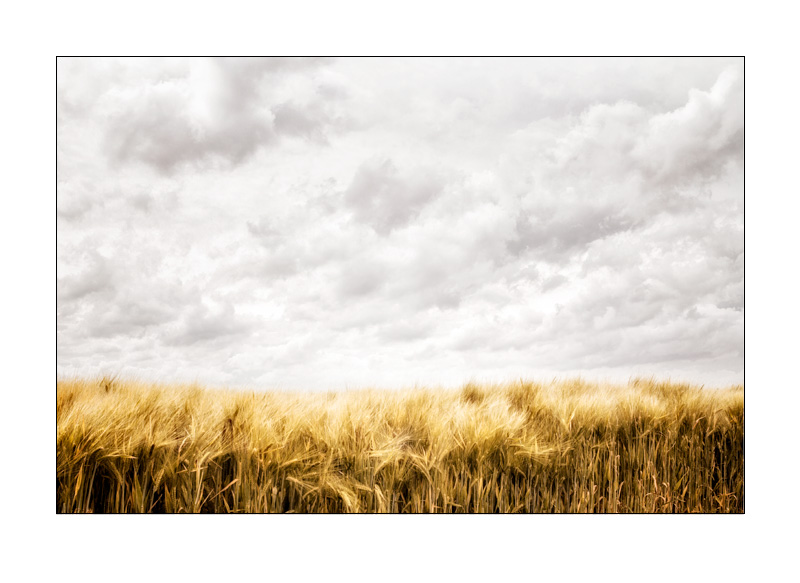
x=204, y=324
x=384, y=198
x=168, y=114
x=699, y=137
x=321, y=224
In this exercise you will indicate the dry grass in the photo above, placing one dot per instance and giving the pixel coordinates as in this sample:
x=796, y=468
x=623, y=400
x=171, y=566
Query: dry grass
x=524, y=447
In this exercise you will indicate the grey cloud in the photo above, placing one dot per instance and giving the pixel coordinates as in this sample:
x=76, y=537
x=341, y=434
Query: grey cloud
x=669, y=148
x=278, y=263
x=75, y=199
x=204, y=324
x=267, y=232
x=75, y=209
x=362, y=276
x=294, y=120
x=404, y=331
x=553, y=282
x=618, y=167
x=282, y=255
x=383, y=197
x=699, y=137
x=215, y=111
x=142, y=202
x=555, y=235
x=278, y=258
x=429, y=264
x=312, y=121
x=119, y=303
x=96, y=278
x=129, y=317
x=614, y=314
x=158, y=130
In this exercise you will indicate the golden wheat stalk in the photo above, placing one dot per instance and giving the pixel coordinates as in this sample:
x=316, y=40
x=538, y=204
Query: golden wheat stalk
x=569, y=446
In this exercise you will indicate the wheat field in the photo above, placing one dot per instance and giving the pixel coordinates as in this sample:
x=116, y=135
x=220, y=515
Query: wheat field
x=567, y=447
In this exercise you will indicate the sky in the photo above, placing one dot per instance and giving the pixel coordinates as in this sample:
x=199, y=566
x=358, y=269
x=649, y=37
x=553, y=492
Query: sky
x=340, y=223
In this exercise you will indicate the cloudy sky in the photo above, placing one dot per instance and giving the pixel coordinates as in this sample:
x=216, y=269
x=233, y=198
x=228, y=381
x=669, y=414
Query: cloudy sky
x=332, y=223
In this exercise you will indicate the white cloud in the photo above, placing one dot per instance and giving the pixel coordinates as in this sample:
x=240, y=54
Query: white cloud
x=328, y=223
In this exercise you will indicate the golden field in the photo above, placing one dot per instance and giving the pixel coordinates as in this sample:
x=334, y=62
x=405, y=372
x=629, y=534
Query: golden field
x=566, y=446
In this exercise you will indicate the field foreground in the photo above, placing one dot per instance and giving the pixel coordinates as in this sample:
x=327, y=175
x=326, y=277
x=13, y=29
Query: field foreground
x=568, y=446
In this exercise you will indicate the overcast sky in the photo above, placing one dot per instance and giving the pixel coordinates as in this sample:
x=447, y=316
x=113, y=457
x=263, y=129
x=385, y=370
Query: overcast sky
x=332, y=223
